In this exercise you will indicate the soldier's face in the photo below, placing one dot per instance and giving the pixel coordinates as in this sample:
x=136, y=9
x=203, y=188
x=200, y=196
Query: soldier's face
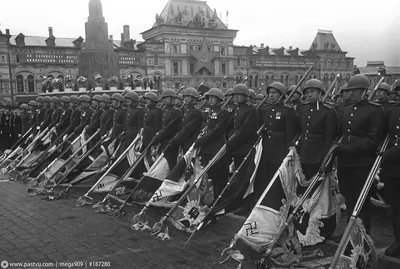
x=239, y=98
x=295, y=97
x=188, y=100
x=274, y=95
x=381, y=95
x=62, y=104
x=346, y=95
x=177, y=101
x=213, y=101
x=168, y=100
x=312, y=94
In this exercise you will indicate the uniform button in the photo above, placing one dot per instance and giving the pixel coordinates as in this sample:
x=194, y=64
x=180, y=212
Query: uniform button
x=273, y=109
x=397, y=127
x=348, y=130
x=308, y=124
x=352, y=115
x=306, y=131
x=312, y=110
x=355, y=108
x=349, y=122
x=309, y=117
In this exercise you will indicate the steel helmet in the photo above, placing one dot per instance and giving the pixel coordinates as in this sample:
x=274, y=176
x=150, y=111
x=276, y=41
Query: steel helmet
x=278, y=86
x=291, y=88
x=215, y=92
x=344, y=88
x=54, y=99
x=46, y=99
x=384, y=86
x=32, y=103
x=168, y=93
x=315, y=84
x=64, y=99
x=73, y=99
x=84, y=98
x=241, y=89
x=132, y=95
x=39, y=99
x=229, y=92
x=97, y=97
x=252, y=93
x=151, y=95
x=118, y=97
x=358, y=81
x=24, y=106
x=260, y=96
x=105, y=98
x=191, y=92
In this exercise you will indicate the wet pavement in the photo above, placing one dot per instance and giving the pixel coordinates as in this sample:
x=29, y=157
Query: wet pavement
x=57, y=234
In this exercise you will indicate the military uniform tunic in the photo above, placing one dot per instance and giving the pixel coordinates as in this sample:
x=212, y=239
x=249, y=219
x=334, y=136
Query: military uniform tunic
x=25, y=117
x=151, y=123
x=55, y=117
x=134, y=122
x=65, y=120
x=171, y=120
x=75, y=120
x=47, y=118
x=106, y=121
x=94, y=122
x=118, y=121
x=86, y=114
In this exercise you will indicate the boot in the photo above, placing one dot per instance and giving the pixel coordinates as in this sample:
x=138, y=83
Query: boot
x=393, y=250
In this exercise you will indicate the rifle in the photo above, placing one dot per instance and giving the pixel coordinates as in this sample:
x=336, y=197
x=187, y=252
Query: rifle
x=331, y=87
x=9, y=153
x=359, y=204
x=162, y=106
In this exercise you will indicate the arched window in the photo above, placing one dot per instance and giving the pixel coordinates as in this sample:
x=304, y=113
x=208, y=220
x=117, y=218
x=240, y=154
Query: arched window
x=157, y=82
x=31, y=83
x=20, y=83
x=175, y=49
x=61, y=86
x=251, y=81
x=255, y=81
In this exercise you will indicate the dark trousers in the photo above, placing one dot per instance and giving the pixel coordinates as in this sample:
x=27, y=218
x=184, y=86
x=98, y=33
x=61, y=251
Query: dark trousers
x=351, y=182
x=310, y=169
x=266, y=171
x=218, y=173
x=171, y=155
x=392, y=190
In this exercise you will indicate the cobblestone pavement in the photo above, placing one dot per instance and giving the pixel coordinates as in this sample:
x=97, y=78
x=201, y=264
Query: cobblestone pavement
x=33, y=230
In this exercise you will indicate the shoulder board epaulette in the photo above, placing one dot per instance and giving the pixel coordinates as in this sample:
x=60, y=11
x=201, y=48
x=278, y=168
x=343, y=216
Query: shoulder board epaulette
x=393, y=103
x=374, y=103
x=305, y=103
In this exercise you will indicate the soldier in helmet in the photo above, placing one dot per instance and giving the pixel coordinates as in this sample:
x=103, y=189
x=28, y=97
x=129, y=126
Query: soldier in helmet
x=24, y=118
x=32, y=114
x=178, y=100
x=230, y=106
x=191, y=124
x=361, y=126
x=86, y=113
x=251, y=98
x=134, y=118
x=55, y=117
x=94, y=123
x=16, y=122
x=107, y=115
x=152, y=118
x=171, y=121
x=214, y=138
x=279, y=131
x=381, y=96
x=390, y=175
x=75, y=117
x=258, y=99
x=318, y=127
x=65, y=115
x=295, y=100
x=119, y=116
x=46, y=120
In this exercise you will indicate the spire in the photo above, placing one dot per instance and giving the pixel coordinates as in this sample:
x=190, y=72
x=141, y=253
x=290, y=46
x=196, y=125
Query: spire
x=95, y=9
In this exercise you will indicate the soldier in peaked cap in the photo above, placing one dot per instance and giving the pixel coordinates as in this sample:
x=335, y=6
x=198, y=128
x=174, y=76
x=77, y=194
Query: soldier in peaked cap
x=191, y=124
x=134, y=118
x=214, y=138
x=152, y=118
x=318, y=127
x=75, y=117
x=361, y=125
x=119, y=117
x=171, y=121
x=279, y=131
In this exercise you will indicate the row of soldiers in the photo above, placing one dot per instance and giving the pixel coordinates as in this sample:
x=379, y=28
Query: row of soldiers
x=234, y=120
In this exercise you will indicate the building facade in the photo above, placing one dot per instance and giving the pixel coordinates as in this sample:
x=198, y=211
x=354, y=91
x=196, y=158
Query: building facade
x=187, y=45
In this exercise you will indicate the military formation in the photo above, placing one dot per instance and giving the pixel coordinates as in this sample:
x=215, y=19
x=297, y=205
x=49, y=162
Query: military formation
x=353, y=118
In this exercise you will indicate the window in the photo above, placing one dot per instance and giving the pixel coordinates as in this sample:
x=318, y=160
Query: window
x=282, y=78
x=20, y=83
x=176, y=68
x=156, y=60
x=177, y=85
x=223, y=68
x=222, y=51
x=198, y=47
x=31, y=83
x=3, y=58
x=191, y=48
x=348, y=65
x=224, y=85
x=17, y=58
x=209, y=48
x=256, y=81
x=175, y=49
x=191, y=68
x=238, y=61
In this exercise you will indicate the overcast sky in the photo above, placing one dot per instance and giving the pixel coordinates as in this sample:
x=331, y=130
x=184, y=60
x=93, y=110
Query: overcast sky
x=368, y=30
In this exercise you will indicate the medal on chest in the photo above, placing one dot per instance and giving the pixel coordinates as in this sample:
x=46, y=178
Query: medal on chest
x=278, y=115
